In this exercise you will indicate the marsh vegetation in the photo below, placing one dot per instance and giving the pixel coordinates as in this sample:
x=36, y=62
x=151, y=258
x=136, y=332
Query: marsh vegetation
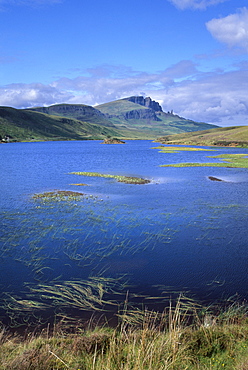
x=177, y=149
x=181, y=337
x=229, y=161
x=119, y=178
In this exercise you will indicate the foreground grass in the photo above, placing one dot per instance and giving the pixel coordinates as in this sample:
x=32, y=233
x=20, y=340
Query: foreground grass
x=230, y=161
x=144, y=340
x=119, y=178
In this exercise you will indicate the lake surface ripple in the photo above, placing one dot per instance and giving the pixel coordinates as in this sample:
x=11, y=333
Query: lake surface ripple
x=180, y=233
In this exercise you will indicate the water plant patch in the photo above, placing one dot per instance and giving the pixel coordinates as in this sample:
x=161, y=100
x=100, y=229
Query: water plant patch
x=58, y=195
x=119, y=178
x=229, y=161
x=177, y=149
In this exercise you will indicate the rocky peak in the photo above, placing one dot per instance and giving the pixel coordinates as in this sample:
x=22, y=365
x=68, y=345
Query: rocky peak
x=146, y=102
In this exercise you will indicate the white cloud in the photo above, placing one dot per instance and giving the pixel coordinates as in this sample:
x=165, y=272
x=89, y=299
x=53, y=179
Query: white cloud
x=231, y=30
x=195, y=4
x=181, y=69
x=219, y=97
x=29, y=95
x=106, y=83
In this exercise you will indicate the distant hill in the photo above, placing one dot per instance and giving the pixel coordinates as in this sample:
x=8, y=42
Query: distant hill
x=135, y=117
x=29, y=125
x=146, y=115
x=224, y=136
x=80, y=112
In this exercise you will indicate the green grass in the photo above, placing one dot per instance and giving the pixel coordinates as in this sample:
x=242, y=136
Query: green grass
x=231, y=161
x=124, y=179
x=58, y=195
x=180, y=338
x=82, y=122
x=80, y=112
x=177, y=149
x=27, y=125
x=235, y=136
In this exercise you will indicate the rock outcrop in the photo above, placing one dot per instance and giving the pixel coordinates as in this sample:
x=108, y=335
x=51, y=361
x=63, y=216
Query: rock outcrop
x=148, y=114
x=113, y=141
x=212, y=178
x=146, y=102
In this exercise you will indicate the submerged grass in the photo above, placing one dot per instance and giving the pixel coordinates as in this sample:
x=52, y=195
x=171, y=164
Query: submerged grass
x=232, y=161
x=119, y=178
x=181, y=337
x=80, y=294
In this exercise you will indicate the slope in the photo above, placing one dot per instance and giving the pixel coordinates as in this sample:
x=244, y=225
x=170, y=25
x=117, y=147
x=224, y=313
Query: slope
x=223, y=136
x=135, y=117
x=80, y=112
x=28, y=125
x=146, y=115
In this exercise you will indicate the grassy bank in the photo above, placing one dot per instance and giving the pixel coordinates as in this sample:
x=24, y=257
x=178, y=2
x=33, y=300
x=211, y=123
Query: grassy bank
x=178, y=149
x=182, y=337
x=229, y=161
x=234, y=136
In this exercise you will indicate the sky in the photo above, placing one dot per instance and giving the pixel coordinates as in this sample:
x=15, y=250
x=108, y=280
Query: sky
x=189, y=55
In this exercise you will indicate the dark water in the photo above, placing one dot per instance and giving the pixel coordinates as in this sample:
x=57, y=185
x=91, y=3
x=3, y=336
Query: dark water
x=181, y=232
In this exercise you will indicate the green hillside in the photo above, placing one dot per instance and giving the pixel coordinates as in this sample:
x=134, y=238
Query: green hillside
x=224, y=136
x=80, y=112
x=147, y=116
x=130, y=118
x=25, y=125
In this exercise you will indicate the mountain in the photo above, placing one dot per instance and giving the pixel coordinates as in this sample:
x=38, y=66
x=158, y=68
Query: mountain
x=80, y=112
x=146, y=115
x=135, y=117
x=223, y=136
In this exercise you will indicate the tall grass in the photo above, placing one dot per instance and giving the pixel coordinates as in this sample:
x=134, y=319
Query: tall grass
x=181, y=337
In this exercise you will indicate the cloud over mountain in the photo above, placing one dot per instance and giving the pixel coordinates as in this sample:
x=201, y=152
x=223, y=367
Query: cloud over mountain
x=191, y=93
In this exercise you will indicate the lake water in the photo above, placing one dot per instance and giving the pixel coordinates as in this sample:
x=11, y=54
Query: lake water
x=180, y=233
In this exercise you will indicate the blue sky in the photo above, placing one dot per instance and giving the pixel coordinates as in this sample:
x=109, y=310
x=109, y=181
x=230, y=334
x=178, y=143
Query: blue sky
x=189, y=55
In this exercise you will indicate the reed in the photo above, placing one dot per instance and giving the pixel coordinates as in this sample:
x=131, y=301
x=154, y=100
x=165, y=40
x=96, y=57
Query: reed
x=179, y=338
